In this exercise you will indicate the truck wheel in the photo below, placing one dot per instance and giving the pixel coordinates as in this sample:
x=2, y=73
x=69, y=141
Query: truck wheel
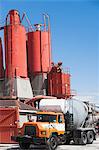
x=83, y=139
x=24, y=145
x=90, y=137
x=63, y=140
x=52, y=142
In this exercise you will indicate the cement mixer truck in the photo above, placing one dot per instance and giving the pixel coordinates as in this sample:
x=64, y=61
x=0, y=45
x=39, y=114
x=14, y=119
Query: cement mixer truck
x=59, y=121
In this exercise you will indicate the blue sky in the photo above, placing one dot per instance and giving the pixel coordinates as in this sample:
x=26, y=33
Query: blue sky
x=75, y=36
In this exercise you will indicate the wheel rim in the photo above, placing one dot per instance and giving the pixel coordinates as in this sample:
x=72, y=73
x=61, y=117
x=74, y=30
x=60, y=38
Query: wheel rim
x=84, y=138
x=63, y=140
x=90, y=137
x=53, y=142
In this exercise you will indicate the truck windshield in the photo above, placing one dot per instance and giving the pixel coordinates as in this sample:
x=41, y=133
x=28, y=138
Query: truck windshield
x=46, y=118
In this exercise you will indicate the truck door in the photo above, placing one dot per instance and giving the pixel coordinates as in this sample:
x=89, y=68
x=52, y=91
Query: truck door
x=61, y=124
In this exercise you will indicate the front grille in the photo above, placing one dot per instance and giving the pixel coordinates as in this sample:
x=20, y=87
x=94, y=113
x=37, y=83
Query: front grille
x=30, y=130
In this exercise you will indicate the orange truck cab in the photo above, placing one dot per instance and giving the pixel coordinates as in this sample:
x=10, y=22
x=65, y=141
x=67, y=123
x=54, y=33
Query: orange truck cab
x=47, y=129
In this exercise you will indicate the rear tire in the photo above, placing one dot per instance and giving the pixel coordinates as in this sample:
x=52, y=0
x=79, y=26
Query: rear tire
x=90, y=137
x=83, y=139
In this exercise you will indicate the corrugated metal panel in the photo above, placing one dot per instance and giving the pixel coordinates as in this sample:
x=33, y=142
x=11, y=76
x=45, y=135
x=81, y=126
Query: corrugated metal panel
x=66, y=84
x=59, y=84
x=8, y=124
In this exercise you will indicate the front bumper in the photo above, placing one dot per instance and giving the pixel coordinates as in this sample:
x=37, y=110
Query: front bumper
x=25, y=139
x=29, y=139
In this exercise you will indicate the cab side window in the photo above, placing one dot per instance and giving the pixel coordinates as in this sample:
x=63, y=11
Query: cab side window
x=60, y=119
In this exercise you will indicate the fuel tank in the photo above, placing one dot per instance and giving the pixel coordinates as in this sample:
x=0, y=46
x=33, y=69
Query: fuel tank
x=76, y=108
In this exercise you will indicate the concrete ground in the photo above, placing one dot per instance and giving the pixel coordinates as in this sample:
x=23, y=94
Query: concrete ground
x=94, y=146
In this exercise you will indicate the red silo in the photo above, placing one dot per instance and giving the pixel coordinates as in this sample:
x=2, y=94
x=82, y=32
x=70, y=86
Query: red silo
x=15, y=46
x=1, y=60
x=16, y=81
x=39, y=59
x=39, y=54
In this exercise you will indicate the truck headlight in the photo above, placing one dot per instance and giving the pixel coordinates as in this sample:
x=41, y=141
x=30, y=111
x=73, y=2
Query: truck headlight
x=43, y=132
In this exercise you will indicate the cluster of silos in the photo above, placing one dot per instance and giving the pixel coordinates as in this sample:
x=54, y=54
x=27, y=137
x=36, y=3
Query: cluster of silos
x=28, y=68
x=26, y=55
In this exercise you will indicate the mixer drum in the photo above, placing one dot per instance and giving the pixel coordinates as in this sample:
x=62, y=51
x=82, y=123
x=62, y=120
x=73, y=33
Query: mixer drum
x=73, y=106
